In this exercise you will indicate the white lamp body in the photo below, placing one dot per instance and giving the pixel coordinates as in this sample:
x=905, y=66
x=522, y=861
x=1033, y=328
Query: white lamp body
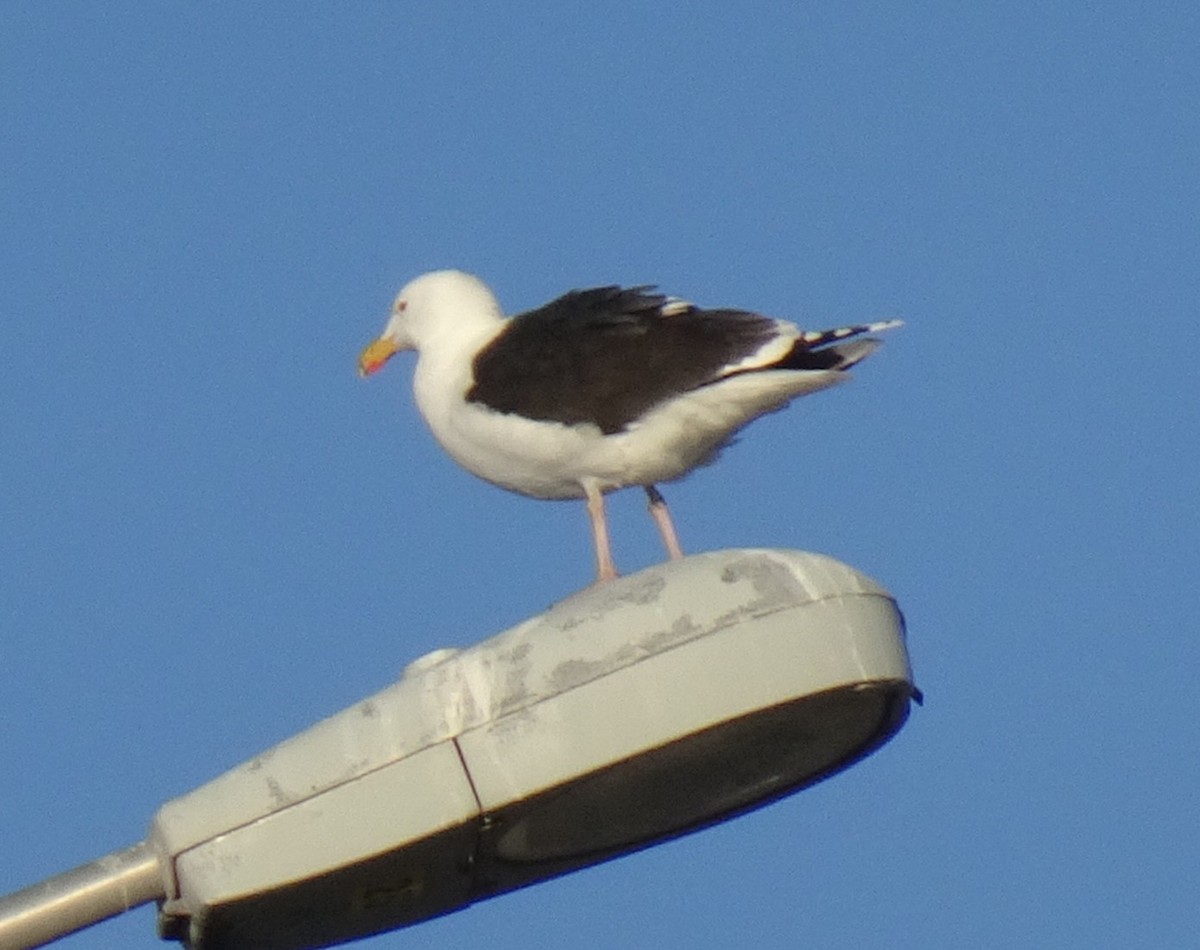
x=631, y=712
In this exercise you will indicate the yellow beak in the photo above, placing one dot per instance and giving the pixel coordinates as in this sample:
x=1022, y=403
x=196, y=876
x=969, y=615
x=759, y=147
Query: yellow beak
x=375, y=355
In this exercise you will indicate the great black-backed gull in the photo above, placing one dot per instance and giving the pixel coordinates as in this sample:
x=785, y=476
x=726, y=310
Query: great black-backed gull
x=600, y=389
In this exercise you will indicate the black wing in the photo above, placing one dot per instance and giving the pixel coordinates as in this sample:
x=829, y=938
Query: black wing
x=609, y=355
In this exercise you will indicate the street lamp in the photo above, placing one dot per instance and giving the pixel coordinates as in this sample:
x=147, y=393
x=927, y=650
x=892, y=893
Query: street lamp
x=630, y=713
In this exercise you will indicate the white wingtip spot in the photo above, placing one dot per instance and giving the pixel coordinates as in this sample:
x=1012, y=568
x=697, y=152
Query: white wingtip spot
x=884, y=325
x=674, y=306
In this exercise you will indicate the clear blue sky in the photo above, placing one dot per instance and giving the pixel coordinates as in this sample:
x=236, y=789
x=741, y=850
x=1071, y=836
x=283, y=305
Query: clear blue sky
x=212, y=533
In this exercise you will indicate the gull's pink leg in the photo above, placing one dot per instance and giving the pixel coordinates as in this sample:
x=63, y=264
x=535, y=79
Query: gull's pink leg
x=606, y=570
x=662, y=518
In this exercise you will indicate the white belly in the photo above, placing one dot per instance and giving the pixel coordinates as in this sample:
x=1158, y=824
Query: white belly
x=552, y=460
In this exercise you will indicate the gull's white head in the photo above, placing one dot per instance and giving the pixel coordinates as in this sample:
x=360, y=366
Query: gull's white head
x=437, y=303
